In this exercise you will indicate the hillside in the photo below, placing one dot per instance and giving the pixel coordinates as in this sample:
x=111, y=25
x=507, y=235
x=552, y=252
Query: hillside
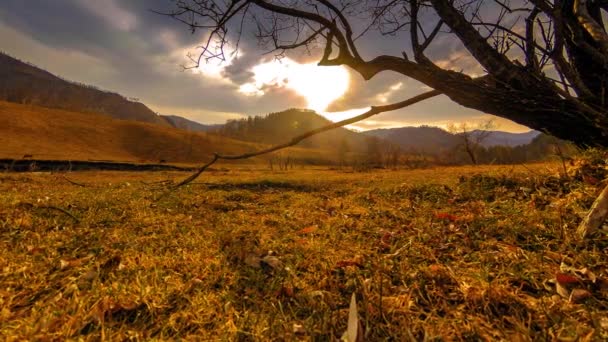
x=278, y=127
x=23, y=83
x=47, y=133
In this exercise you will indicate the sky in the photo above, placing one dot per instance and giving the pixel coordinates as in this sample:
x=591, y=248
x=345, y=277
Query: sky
x=125, y=47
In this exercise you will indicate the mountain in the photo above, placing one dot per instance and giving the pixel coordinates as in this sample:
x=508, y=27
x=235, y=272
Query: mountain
x=499, y=138
x=189, y=125
x=424, y=139
x=24, y=83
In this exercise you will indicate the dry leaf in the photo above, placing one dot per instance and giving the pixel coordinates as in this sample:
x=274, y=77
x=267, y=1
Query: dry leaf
x=590, y=275
x=63, y=264
x=352, y=330
x=579, y=295
x=308, y=230
x=298, y=329
x=562, y=291
x=565, y=279
x=446, y=216
x=272, y=261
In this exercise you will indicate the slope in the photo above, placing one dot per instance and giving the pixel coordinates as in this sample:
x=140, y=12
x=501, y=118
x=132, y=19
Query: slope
x=47, y=133
x=24, y=83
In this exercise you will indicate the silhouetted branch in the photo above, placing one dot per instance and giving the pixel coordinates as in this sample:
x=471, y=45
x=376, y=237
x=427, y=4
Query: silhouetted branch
x=375, y=110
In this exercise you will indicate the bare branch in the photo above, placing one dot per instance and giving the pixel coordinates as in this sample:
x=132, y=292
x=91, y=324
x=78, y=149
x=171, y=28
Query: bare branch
x=496, y=63
x=531, y=60
x=375, y=110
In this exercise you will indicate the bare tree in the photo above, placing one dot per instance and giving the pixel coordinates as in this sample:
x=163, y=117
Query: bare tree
x=472, y=140
x=545, y=61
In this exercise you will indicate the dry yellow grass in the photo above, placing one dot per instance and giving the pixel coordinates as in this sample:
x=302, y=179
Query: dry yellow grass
x=468, y=253
x=53, y=134
x=56, y=134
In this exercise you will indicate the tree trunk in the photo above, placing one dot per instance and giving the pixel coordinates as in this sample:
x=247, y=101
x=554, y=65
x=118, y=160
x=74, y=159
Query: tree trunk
x=471, y=153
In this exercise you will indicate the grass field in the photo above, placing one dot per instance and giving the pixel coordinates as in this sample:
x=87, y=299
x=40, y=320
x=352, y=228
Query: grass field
x=27, y=131
x=466, y=253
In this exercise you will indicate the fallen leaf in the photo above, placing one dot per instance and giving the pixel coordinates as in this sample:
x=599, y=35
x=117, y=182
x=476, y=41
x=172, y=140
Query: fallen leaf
x=590, y=275
x=446, y=216
x=89, y=276
x=63, y=264
x=298, y=329
x=562, y=291
x=34, y=250
x=352, y=330
x=579, y=295
x=308, y=230
x=272, y=261
x=436, y=268
x=565, y=279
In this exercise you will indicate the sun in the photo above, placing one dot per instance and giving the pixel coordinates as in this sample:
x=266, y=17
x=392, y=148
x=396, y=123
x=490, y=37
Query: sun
x=320, y=86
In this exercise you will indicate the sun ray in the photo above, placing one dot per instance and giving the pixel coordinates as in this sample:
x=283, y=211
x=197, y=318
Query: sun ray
x=320, y=86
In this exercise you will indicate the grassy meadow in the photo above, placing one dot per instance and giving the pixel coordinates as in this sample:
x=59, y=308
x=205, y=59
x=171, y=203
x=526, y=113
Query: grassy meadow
x=461, y=253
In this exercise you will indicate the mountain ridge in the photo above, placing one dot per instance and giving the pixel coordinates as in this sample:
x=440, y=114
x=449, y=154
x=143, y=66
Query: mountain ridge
x=24, y=83
x=435, y=140
x=189, y=125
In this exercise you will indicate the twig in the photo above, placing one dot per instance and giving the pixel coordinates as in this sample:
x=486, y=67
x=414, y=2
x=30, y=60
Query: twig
x=373, y=111
x=72, y=182
x=50, y=207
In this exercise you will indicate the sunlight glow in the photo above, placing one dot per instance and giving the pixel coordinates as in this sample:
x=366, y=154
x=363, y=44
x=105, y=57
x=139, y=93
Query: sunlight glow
x=320, y=86
x=347, y=114
x=213, y=67
x=209, y=67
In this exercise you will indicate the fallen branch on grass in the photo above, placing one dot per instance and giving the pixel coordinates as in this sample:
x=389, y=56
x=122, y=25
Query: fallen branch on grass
x=375, y=110
x=72, y=182
x=49, y=207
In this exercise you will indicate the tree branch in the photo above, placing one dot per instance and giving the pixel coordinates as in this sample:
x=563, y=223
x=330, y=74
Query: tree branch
x=494, y=62
x=375, y=110
x=531, y=60
x=591, y=26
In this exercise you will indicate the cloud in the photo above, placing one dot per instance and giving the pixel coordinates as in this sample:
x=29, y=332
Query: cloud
x=111, y=12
